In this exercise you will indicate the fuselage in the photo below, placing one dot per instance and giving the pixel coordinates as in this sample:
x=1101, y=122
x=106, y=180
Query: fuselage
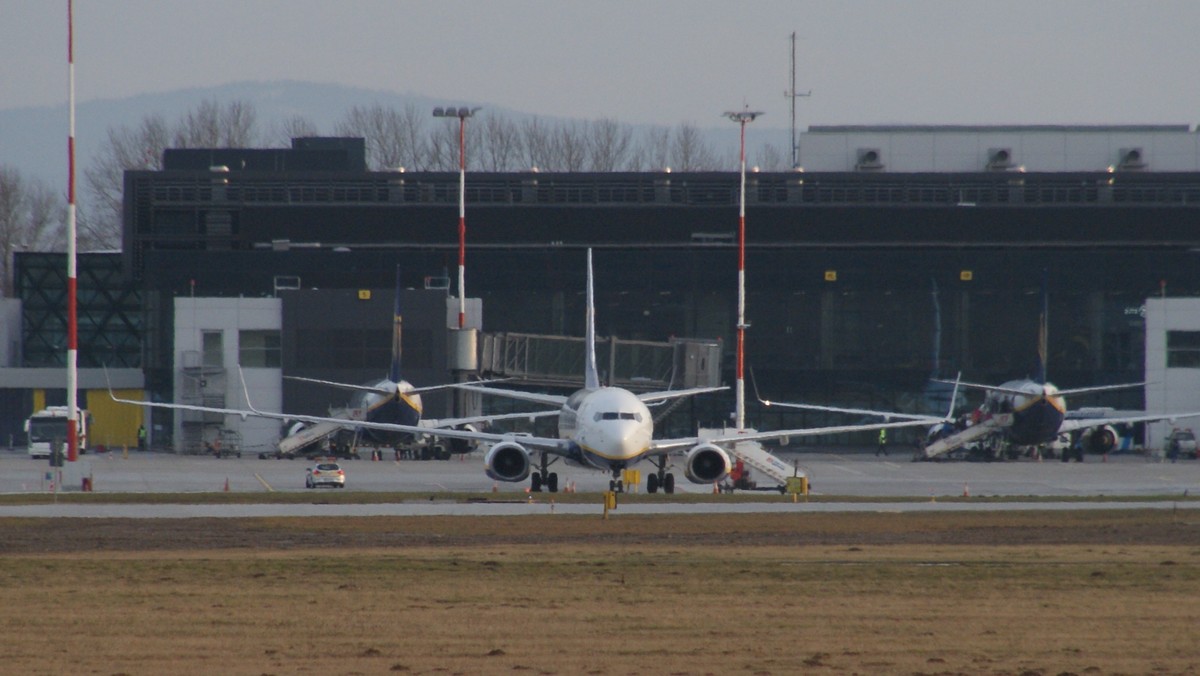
x=402, y=408
x=1037, y=415
x=610, y=426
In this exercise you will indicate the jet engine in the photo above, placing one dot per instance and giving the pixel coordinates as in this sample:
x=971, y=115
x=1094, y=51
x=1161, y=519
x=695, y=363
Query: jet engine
x=507, y=461
x=706, y=463
x=1099, y=440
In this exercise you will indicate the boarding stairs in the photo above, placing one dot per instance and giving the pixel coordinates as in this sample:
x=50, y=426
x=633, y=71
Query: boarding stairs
x=753, y=455
x=312, y=434
x=984, y=427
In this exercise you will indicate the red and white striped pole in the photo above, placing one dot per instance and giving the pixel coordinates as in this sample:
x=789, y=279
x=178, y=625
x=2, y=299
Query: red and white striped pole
x=741, y=117
x=72, y=317
x=462, y=114
x=462, y=220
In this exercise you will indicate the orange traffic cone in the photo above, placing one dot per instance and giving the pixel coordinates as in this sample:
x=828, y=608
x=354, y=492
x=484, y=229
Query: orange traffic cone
x=966, y=491
x=226, y=484
x=715, y=489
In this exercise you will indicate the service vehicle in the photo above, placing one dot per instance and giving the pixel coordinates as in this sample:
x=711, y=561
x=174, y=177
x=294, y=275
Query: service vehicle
x=48, y=427
x=1181, y=444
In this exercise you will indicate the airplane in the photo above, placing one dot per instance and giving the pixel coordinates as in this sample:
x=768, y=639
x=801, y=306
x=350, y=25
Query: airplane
x=1032, y=412
x=392, y=400
x=599, y=427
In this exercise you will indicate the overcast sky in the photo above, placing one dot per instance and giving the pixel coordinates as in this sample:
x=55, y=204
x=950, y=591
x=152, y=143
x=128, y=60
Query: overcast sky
x=642, y=61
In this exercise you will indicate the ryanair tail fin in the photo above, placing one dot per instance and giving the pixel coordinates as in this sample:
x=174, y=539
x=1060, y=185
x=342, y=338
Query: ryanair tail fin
x=1039, y=375
x=591, y=377
x=394, y=372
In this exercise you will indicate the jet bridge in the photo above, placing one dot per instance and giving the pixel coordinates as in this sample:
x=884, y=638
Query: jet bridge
x=632, y=364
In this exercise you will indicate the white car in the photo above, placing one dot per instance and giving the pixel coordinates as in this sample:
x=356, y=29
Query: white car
x=325, y=474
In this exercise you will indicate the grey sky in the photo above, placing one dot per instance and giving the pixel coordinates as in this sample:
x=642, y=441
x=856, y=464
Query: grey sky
x=642, y=61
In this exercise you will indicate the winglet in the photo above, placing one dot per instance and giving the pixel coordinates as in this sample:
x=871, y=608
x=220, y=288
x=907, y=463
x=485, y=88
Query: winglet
x=954, y=396
x=591, y=376
x=754, y=386
x=246, y=391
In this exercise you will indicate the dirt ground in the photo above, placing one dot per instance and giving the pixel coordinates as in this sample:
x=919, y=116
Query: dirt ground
x=1028, y=593
x=1106, y=527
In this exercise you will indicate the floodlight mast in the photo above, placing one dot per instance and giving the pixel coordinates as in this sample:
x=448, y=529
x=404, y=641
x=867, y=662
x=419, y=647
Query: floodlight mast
x=742, y=118
x=72, y=276
x=462, y=113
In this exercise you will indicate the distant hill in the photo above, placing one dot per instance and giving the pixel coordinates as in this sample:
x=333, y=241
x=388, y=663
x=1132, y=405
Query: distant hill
x=34, y=140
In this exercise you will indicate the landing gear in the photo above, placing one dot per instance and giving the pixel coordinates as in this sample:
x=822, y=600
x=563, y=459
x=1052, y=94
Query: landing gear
x=660, y=478
x=544, y=477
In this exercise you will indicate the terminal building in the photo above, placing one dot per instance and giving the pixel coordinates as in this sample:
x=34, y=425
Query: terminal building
x=897, y=254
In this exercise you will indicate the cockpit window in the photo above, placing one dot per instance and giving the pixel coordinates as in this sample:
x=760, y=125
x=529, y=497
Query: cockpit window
x=615, y=415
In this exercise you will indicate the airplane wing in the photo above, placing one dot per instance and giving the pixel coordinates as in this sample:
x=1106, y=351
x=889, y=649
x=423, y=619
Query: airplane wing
x=650, y=397
x=558, y=446
x=663, y=445
x=1101, y=388
x=928, y=419
x=989, y=388
x=455, y=422
x=386, y=391
x=1072, y=424
x=538, y=398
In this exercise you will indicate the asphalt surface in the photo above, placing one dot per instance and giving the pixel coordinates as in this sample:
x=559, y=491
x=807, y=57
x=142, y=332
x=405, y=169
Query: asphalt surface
x=854, y=474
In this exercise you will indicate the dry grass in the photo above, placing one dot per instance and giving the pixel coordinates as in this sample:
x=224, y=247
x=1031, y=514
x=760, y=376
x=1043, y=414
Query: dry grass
x=835, y=594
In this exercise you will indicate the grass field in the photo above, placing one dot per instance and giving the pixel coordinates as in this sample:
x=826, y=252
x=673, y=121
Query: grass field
x=1115, y=592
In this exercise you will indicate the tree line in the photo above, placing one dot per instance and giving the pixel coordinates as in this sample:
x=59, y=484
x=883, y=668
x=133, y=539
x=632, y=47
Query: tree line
x=32, y=215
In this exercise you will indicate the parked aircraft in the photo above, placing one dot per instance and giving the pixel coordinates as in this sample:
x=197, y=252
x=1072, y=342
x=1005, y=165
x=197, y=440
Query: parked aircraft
x=389, y=400
x=1032, y=412
x=605, y=428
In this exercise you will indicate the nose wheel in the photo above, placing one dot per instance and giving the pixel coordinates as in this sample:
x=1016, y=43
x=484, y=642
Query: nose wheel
x=661, y=478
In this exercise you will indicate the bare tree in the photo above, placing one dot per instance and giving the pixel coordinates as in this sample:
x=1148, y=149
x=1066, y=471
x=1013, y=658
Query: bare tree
x=31, y=218
x=281, y=132
x=610, y=146
x=208, y=125
x=535, y=144
x=689, y=152
x=394, y=138
x=570, y=146
x=125, y=149
x=654, y=154
x=501, y=145
x=772, y=158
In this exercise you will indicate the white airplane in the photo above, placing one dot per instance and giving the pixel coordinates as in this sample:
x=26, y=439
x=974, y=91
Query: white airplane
x=605, y=428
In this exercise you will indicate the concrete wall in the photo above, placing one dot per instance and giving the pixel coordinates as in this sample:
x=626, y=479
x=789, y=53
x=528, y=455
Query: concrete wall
x=229, y=316
x=960, y=149
x=1174, y=390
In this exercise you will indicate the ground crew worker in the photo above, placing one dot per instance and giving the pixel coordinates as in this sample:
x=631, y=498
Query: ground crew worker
x=882, y=443
x=141, y=437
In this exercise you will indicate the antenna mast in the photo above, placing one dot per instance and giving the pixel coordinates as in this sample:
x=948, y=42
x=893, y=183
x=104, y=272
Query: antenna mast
x=791, y=94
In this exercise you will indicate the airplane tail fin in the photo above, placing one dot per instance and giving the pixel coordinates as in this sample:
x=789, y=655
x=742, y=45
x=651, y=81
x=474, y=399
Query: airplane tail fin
x=591, y=376
x=394, y=372
x=1043, y=333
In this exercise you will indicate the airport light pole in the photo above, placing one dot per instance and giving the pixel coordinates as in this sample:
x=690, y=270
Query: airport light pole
x=462, y=114
x=742, y=117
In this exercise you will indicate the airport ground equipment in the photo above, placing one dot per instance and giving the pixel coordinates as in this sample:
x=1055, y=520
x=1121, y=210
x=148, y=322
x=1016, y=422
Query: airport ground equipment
x=950, y=442
x=46, y=427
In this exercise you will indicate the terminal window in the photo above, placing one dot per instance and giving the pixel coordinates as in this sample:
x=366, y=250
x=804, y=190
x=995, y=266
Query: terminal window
x=1183, y=349
x=259, y=349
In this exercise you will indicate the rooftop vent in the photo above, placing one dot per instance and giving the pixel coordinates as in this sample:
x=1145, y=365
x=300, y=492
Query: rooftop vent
x=869, y=159
x=1131, y=159
x=999, y=159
